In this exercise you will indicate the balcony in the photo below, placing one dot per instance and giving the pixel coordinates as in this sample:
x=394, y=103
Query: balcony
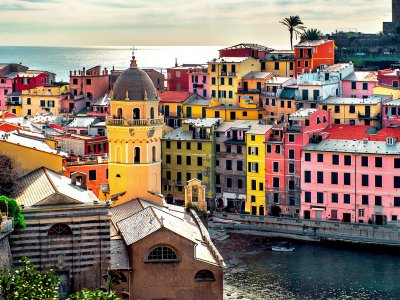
x=198, y=85
x=233, y=74
x=369, y=116
x=275, y=139
x=13, y=103
x=134, y=122
x=194, y=116
x=179, y=183
x=224, y=73
x=248, y=91
x=270, y=94
x=199, y=136
x=295, y=128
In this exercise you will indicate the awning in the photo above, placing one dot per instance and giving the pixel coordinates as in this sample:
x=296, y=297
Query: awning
x=318, y=208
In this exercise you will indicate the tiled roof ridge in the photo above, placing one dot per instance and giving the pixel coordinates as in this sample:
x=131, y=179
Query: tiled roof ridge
x=48, y=178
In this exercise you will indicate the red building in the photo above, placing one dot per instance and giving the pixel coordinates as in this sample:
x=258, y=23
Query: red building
x=284, y=144
x=178, y=77
x=312, y=54
x=91, y=84
x=245, y=50
x=31, y=79
x=389, y=77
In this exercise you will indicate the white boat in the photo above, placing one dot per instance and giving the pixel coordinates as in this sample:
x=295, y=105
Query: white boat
x=282, y=249
x=224, y=221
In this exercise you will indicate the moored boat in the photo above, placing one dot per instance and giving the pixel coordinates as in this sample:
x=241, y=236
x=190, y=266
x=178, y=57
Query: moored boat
x=282, y=249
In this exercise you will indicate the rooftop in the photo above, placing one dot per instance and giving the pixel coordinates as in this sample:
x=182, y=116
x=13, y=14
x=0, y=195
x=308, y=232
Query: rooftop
x=80, y=122
x=373, y=99
x=303, y=113
x=173, y=96
x=362, y=76
x=237, y=124
x=247, y=46
x=278, y=80
x=336, y=67
x=360, y=132
x=197, y=100
x=354, y=146
x=257, y=75
x=103, y=101
x=206, y=122
x=230, y=59
x=393, y=103
x=259, y=128
x=311, y=43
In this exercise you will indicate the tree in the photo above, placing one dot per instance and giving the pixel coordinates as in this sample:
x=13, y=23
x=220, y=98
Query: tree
x=27, y=283
x=311, y=34
x=10, y=172
x=12, y=208
x=295, y=26
x=86, y=294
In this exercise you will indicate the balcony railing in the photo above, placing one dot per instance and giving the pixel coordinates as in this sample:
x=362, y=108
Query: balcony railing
x=369, y=116
x=199, y=136
x=194, y=116
x=13, y=103
x=180, y=183
x=223, y=73
x=270, y=94
x=134, y=122
x=248, y=91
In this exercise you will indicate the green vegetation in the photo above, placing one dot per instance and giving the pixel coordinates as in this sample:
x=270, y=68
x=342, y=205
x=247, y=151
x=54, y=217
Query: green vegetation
x=27, y=283
x=295, y=26
x=10, y=206
x=10, y=172
x=311, y=34
x=85, y=294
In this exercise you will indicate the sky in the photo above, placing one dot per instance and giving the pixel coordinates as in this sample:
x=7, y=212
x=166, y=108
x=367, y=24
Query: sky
x=178, y=22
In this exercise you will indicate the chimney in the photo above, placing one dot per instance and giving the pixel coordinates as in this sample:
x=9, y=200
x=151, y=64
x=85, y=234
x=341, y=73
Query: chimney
x=176, y=62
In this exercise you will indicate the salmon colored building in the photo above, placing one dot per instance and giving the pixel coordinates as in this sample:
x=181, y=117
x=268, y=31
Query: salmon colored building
x=284, y=144
x=199, y=82
x=351, y=175
x=245, y=50
x=389, y=77
x=359, y=85
x=312, y=54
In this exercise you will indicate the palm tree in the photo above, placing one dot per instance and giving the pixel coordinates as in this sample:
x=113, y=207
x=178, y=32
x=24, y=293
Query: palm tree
x=311, y=34
x=294, y=25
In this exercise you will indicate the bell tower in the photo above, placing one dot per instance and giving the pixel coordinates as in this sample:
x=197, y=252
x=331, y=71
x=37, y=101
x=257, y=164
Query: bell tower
x=134, y=134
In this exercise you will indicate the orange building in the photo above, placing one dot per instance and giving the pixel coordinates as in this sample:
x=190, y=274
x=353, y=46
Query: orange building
x=312, y=54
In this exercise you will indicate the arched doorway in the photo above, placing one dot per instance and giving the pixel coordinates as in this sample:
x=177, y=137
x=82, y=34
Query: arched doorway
x=136, y=154
x=119, y=113
x=136, y=113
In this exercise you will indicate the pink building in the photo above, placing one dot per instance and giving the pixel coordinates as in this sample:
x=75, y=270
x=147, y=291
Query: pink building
x=88, y=86
x=389, y=77
x=352, y=180
x=284, y=144
x=391, y=113
x=199, y=81
x=359, y=84
x=31, y=78
x=7, y=74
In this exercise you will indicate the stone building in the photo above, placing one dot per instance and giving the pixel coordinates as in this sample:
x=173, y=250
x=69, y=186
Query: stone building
x=230, y=170
x=67, y=229
x=394, y=26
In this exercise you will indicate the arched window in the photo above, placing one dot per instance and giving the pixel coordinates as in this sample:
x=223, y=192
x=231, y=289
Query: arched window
x=118, y=155
x=152, y=113
x=195, y=194
x=204, y=275
x=136, y=113
x=154, y=154
x=136, y=158
x=162, y=254
x=60, y=229
x=119, y=113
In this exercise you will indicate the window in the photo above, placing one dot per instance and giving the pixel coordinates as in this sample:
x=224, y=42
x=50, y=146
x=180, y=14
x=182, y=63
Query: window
x=199, y=176
x=347, y=160
x=29, y=112
x=269, y=148
x=230, y=81
x=199, y=146
x=378, y=162
x=364, y=180
x=253, y=150
x=396, y=182
x=334, y=178
x=188, y=176
x=364, y=161
x=253, y=167
x=275, y=182
x=168, y=144
x=240, y=183
x=335, y=198
x=188, y=145
x=168, y=159
x=229, y=164
x=253, y=199
x=162, y=254
x=395, y=83
x=253, y=137
x=353, y=85
x=228, y=149
x=28, y=101
x=217, y=148
x=307, y=156
x=337, y=109
x=199, y=161
x=239, y=165
x=320, y=177
x=92, y=174
x=229, y=182
x=307, y=197
x=291, y=185
x=346, y=179
x=42, y=103
x=253, y=185
x=213, y=80
x=365, y=86
x=204, y=275
x=361, y=212
x=378, y=200
x=239, y=149
x=60, y=229
x=277, y=149
x=291, y=154
x=320, y=197
x=275, y=166
x=291, y=168
x=88, y=81
x=307, y=176
x=291, y=138
x=397, y=163
x=320, y=158
x=168, y=174
x=178, y=145
x=188, y=160
x=178, y=159
x=364, y=199
x=276, y=65
x=378, y=181
x=346, y=198
x=352, y=109
x=396, y=201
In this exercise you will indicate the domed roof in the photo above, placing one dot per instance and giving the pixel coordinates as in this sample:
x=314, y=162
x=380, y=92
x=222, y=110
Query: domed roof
x=134, y=84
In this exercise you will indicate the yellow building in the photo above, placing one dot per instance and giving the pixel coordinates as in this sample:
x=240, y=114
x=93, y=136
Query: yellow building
x=280, y=62
x=226, y=74
x=247, y=110
x=171, y=107
x=43, y=99
x=134, y=134
x=189, y=152
x=195, y=107
x=255, y=144
x=253, y=84
x=355, y=111
x=387, y=90
x=14, y=103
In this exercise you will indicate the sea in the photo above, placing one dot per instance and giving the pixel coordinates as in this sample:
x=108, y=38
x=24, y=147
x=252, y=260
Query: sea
x=62, y=60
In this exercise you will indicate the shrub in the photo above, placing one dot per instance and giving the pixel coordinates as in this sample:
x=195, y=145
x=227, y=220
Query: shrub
x=14, y=210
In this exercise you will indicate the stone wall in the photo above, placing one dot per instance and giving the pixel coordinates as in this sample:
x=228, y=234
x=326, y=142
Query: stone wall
x=5, y=254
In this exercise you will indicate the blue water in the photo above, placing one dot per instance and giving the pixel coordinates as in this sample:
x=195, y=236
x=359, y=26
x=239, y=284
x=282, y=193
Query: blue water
x=61, y=60
x=312, y=272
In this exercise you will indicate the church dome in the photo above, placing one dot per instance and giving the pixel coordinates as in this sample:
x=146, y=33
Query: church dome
x=134, y=84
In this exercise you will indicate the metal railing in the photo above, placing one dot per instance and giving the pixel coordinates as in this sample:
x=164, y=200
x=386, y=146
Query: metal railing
x=134, y=122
